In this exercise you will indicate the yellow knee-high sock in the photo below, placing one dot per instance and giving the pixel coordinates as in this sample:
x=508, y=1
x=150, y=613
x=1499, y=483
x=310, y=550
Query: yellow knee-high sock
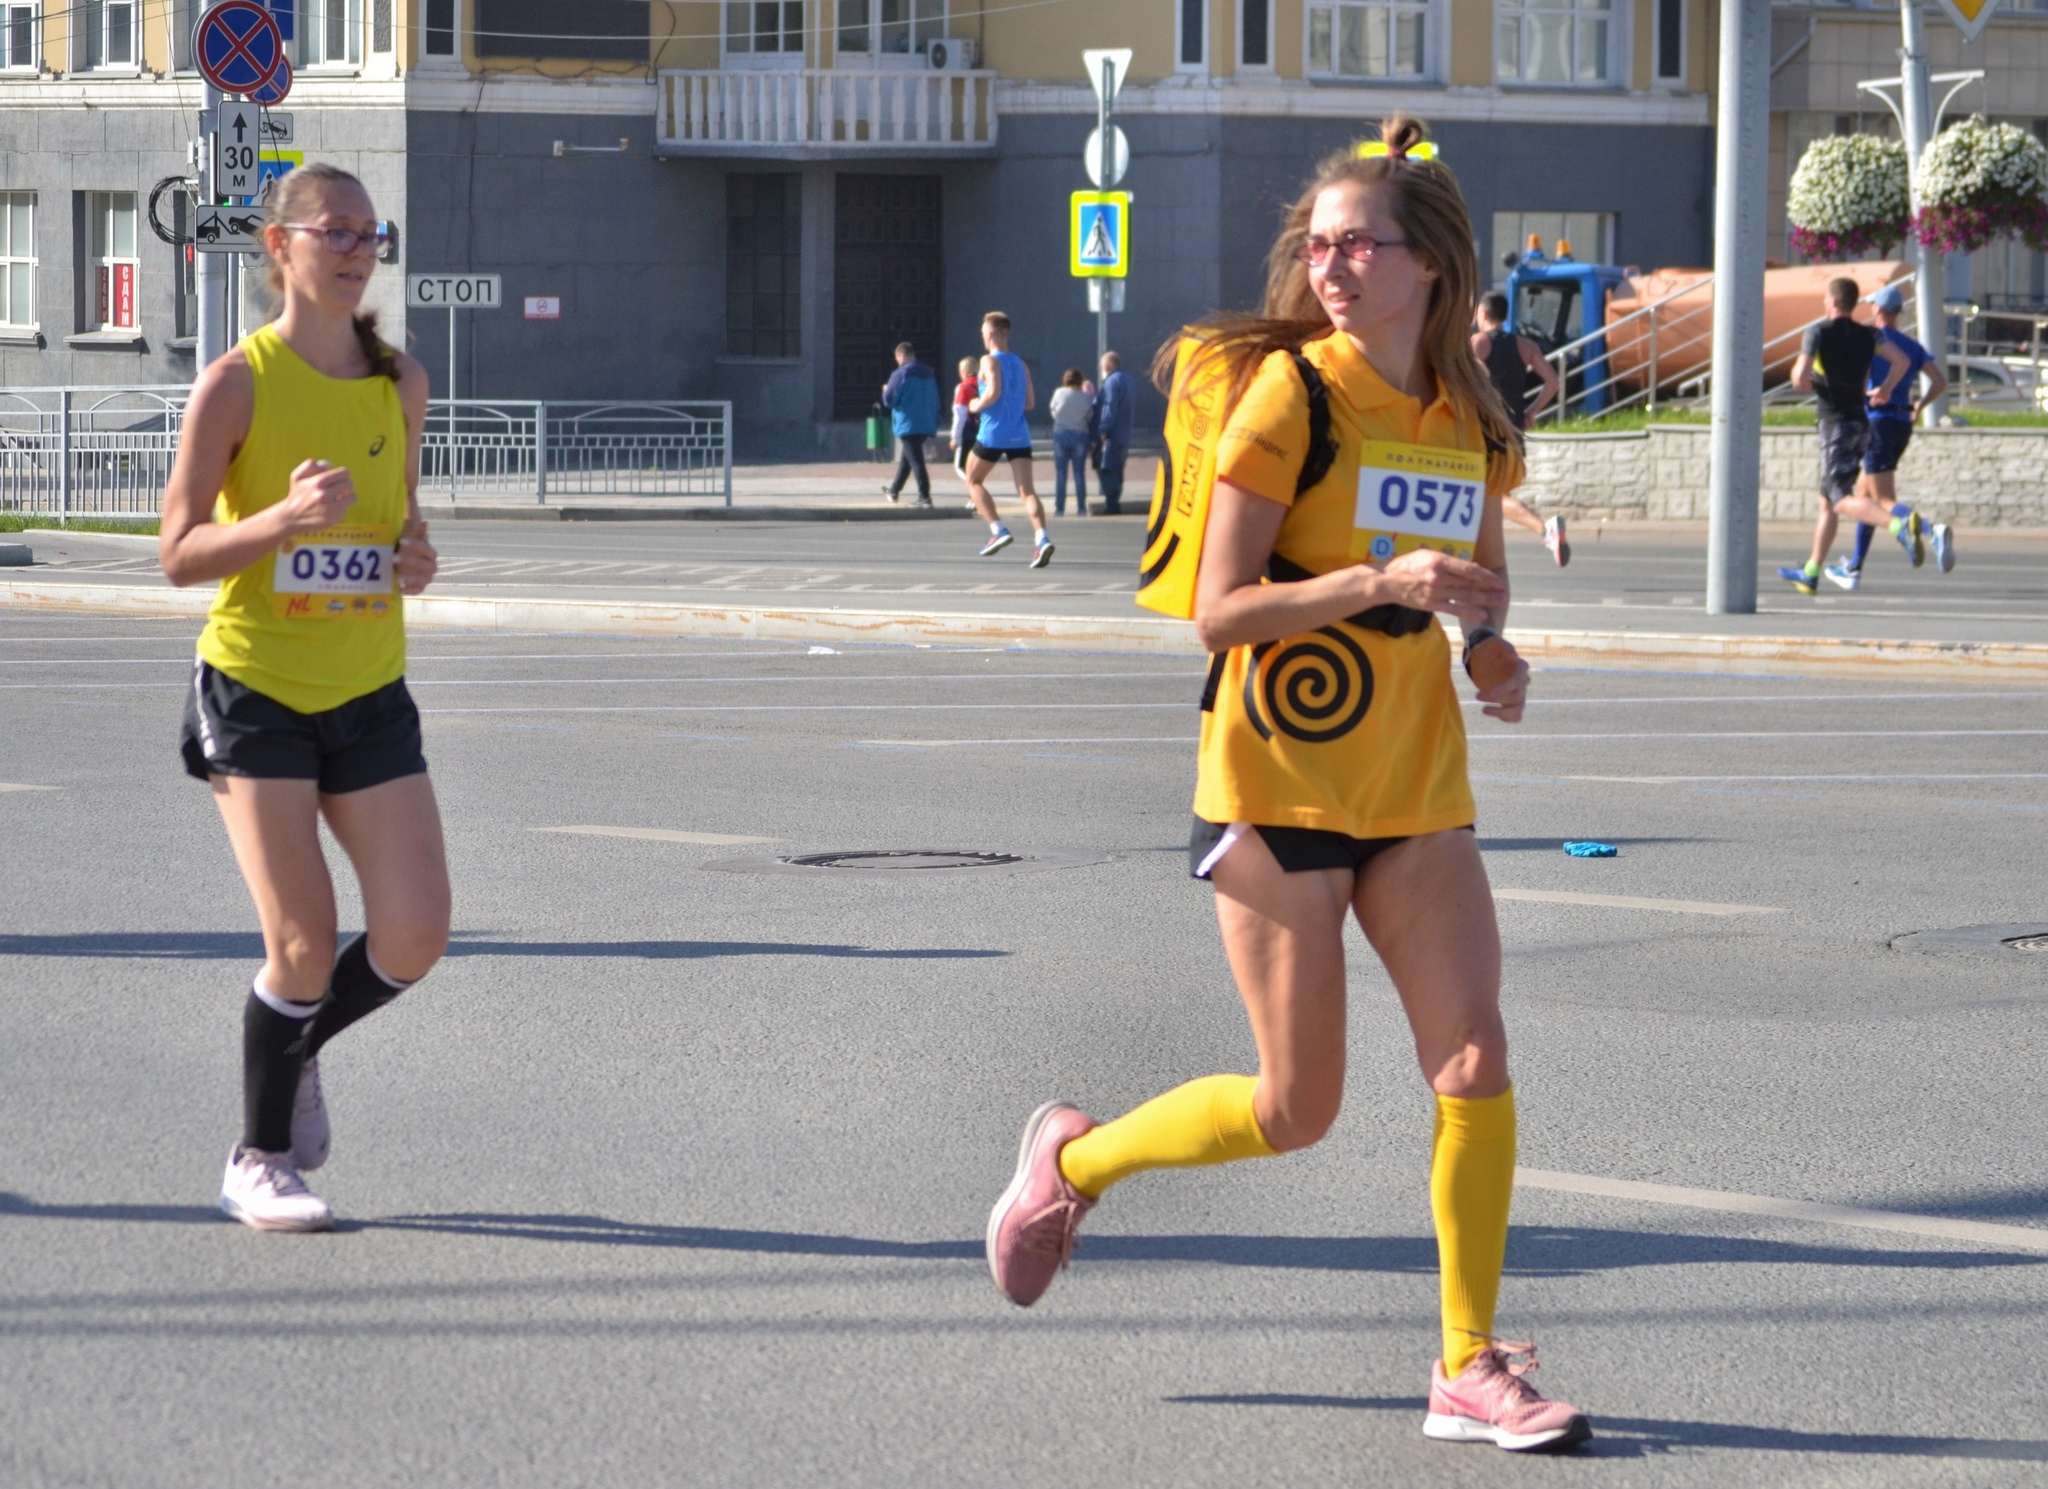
x=1471, y=1179
x=1206, y=1121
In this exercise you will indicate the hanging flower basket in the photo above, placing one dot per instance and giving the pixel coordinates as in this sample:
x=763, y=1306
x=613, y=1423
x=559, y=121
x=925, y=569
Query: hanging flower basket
x=1848, y=198
x=1982, y=181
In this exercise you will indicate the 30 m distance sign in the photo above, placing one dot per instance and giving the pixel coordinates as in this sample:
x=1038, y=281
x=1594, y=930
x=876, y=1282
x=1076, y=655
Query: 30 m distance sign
x=454, y=291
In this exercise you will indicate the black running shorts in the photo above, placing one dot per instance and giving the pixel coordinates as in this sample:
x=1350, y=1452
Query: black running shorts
x=233, y=730
x=1888, y=441
x=1842, y=444
x=1022, y=452
x=1296, y=849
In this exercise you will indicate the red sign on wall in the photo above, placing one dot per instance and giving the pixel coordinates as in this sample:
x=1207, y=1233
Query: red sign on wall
x=117, y=295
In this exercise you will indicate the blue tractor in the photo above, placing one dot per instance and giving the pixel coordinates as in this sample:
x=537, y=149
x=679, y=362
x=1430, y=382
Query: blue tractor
x=1556, y=301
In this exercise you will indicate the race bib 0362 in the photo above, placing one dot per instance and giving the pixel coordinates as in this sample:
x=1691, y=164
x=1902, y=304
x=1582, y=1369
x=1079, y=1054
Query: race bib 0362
x=337, y=573
x=1416, y=496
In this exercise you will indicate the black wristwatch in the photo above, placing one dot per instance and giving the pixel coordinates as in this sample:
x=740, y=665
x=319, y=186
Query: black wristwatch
x=1476, y=639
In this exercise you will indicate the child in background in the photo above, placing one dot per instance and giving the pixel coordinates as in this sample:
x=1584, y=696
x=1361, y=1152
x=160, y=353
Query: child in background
x=963, y=434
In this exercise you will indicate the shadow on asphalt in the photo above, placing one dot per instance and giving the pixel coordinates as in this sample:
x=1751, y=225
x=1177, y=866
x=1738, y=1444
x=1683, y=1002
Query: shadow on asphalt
x=221, y=946
x=1546, y=1251
x=1640, y=1437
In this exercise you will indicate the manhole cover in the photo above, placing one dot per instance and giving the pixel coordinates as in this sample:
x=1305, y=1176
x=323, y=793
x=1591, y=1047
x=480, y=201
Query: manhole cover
x=906, y=858
x=946, y=862
x=1989, y=940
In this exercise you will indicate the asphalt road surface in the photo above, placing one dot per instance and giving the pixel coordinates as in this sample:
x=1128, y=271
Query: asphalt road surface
x=675, y=1173
x=1638, y=577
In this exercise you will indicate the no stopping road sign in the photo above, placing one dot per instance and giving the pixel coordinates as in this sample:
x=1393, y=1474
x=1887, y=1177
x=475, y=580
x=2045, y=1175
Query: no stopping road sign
x=238, y=46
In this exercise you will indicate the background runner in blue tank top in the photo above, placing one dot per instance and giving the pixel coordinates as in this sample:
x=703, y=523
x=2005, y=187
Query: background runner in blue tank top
x=1003, y=433
x=1894, y=375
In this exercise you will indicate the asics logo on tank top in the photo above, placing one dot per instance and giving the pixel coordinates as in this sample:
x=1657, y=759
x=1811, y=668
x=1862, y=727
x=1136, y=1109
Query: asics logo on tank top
x=1314, y=690
x=377, y=446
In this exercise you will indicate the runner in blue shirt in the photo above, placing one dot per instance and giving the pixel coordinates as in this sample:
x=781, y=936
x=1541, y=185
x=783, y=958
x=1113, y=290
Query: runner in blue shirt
x=1003, y=434
x=1893, y=410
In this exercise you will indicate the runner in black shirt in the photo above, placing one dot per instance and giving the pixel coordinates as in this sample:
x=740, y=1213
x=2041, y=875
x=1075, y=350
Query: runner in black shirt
x=1834, y=365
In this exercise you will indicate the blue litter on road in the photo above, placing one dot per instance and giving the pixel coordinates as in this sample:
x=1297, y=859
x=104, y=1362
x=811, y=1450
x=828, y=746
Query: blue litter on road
x=1592, y=850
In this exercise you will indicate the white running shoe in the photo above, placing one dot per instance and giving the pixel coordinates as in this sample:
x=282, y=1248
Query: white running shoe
x=1944, y=547
x=312, y=1138
x=1842, y=576
x=264, y=1191
x=1554, y=539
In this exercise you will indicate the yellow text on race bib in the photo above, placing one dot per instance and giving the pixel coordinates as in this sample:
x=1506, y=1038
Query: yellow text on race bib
x=337, y=573
x=1416, y=496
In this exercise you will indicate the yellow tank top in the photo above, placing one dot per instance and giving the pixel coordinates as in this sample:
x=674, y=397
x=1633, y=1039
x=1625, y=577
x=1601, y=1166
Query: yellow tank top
x=1346, y=728
x=320, y=621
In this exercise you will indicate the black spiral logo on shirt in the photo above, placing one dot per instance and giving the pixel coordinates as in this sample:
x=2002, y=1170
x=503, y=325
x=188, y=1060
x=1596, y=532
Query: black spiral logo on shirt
x=1316, y=689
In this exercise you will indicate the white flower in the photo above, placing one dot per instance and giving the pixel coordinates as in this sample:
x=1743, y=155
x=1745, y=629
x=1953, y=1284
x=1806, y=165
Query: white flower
x=1849, y=181
x=1975, y=164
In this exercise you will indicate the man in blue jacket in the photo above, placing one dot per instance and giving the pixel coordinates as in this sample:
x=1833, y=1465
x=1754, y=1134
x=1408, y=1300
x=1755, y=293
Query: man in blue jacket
x=912, y=397
x=1114, y=408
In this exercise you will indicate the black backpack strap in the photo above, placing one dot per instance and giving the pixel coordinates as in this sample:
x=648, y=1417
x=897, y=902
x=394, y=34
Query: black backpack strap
x=1316, y=463
x=1322, y=444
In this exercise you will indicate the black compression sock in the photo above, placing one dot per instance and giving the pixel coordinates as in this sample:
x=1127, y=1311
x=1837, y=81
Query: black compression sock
x=356, y=990
x=273, y=1052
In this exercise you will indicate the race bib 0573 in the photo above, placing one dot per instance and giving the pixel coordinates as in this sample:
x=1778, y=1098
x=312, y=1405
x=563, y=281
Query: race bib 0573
x=1416, y=496
x=337, y=573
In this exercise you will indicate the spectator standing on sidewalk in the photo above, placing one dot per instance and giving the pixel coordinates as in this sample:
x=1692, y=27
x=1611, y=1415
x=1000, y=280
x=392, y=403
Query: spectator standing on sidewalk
x=1072, y=413
x=963, y=417
x=1110, y=427
x=912, y=397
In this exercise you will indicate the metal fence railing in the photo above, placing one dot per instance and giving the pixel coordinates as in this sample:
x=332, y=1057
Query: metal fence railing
x=106, y=452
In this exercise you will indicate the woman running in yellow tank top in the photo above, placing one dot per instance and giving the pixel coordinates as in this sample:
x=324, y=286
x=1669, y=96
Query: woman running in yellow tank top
x=1331, y=778
x=295, y=487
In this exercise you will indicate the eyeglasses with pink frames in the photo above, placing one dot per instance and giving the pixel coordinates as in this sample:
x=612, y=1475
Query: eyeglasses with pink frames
x=1360, y=248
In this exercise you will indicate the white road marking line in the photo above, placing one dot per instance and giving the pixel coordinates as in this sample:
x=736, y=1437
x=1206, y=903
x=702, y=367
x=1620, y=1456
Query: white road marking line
x=663, y=835
x=809, y=678
x=1632, y=902
x=1859, y=779
x=1807, y=699
x=809, y=707
x=941, y=744
x=1731, y=1202
x=22, y=786
x=1493, y=738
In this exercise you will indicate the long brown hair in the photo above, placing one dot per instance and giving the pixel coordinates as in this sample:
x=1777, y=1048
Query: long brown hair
x=298, y=192
x=1432, y=215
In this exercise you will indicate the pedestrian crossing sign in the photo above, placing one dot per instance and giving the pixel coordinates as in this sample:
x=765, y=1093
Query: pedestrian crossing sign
x=1102, y=234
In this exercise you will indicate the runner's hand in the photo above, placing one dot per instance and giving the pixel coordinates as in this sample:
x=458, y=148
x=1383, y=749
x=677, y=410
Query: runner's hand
x=1429, y=580
x=418, y=560
x=1498, y=661
x=317, y=498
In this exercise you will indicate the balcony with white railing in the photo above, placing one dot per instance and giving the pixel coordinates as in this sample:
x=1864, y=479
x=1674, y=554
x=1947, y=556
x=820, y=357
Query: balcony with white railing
x=825, y=113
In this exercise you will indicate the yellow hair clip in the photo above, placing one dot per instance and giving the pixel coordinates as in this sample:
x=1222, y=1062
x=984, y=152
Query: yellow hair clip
x=1421, y=150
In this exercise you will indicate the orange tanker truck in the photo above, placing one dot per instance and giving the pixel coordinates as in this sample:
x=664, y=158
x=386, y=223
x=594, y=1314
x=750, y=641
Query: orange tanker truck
x=1634, y=328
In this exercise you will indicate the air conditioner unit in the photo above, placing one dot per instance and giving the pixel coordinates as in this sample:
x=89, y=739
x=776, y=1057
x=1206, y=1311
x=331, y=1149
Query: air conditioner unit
x=953, y=53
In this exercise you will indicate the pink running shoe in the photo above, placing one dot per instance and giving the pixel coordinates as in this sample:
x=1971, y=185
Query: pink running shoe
x=1031, y=1230
x=1490, y=1401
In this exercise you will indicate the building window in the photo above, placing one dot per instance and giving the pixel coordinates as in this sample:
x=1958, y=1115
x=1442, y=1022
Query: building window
x=1255, y=43
x=107, y=36
x=1191, y=20
x=763, y=263
x=18, y=258
x=1590, y=234
x=1554, y=41
x=18, y=38
x=766, y=28
x=1373, y=40
x=884, y=28
x=440, y=28
x=111, y=242
x=596, y=30
x=330, y=33
x=380, y=25
x=1670, y=41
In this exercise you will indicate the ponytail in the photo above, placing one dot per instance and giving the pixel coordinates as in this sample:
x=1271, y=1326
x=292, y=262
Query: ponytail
x=376, y=351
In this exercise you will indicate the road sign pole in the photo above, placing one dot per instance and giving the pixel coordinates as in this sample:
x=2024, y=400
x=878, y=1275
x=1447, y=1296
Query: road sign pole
x=451, y=400
x=1916, y=105
x=1742, y=160
x=1105, y=153
x=211, y=271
